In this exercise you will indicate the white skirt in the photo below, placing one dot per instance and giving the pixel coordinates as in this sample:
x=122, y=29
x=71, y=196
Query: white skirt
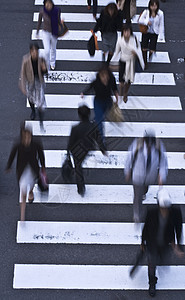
x=26, y=182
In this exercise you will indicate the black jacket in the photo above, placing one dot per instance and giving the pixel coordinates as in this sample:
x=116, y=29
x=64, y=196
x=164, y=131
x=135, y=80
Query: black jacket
x=173, y=227
x=83, y=138
x=106, y=23
x=27, y=155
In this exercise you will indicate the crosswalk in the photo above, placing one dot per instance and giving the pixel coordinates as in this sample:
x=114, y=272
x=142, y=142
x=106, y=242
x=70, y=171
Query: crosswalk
x=62, y=94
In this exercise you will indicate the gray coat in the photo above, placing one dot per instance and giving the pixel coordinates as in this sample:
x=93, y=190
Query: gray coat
x=140, y=174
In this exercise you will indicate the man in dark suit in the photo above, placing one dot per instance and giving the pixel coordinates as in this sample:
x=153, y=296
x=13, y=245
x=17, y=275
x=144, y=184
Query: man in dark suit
x=83, y=138
x=161, y=226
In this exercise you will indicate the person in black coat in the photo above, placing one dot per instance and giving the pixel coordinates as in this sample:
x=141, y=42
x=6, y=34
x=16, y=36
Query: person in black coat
x=82, y=139
x=29, y=152
x=162, y=225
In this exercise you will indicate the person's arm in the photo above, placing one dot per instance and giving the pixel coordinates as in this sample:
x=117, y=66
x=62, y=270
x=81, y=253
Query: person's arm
x=114, y=87
x=88, y=88
x=115, y=58
x=22, y=77
x=161, y=25
x=98, y=25
x=163, y=164
x=71, y=141
x=143, y=18
x=39, y=21
x=177, y=215
x=41, y=154
x=11, y=157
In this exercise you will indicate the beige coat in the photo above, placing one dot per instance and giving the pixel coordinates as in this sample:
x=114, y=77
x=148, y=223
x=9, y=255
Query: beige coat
x=132, y=6
x=27, y=75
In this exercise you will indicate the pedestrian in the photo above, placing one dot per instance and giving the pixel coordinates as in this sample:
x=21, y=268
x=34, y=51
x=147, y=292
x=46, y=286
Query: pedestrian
x=29, y=153
x=104, y=85
x=128, y=9
x=95, y=4
x=145, y=164
x=153, y=18
x=51, y=20
x=163, y=225
x=82, y=139
x=31, y=81
x=108, y=23
x=129, y=48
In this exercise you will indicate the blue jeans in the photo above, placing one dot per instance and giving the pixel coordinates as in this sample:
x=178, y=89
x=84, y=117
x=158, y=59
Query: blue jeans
x=100, y=108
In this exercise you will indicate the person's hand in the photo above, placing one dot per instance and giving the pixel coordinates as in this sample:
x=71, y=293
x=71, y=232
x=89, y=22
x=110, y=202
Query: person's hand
x=142, y=246
x=149, y=23
x=134, y=53
x=178, y=251
x=160, y=180
x=43, y=65
x=128, y=177
x=116, y=95
x=81, y=95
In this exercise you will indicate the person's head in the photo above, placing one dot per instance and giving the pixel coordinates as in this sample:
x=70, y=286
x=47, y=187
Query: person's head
x=26, y=135
x=84, y=112
x=149, y=137
x=34, y=51
x=153, y=6
x=126, y=31
x=164, y=202
x=48, y=4
x=104, y=75
x=111, y=9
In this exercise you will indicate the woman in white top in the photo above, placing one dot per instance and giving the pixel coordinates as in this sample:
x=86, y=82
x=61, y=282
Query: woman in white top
x=128, y=47
x=153, y=17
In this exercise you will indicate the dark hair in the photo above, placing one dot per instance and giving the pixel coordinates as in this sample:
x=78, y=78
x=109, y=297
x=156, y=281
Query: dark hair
x=34, y=45
x=84, y=112
x=126, y=27
x=152, y=2
x=44, y=2
x=113, y=7
x=104, y=69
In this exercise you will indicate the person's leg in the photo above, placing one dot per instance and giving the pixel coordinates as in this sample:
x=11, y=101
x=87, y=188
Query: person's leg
x=79, y=176
x=125, y=91
x=144, y=44
x=32, y=115
x=152, y=44
x=152, y=262
x=94, y=8
x=99, y=115
x=89, y=4
x=110, y=55
x=127, y=11
x=53, y=51
x=121, y=76
x=137, y=203
x=46, y=39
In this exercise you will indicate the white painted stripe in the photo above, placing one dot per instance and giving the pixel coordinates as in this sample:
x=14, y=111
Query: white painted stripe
x=124, y=129
x=81, y=35
x=83, y=55
x=79, y=233
x=104, y=194
x=140, y=3
x=98, y=277
x=134, y=102
x=79, y=17
x=82, y=77
x=115, y=159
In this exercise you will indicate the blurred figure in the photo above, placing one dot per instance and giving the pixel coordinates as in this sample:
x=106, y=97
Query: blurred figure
x=104, y=85
x=108, y=23
x=128, y=47
x=162, y=225
x=153, y=17
x=31, y=81
x=51, y=19
x=146, y=162
x=128, y=9
x=95, y=4
x=82, y=139
x=29, y=153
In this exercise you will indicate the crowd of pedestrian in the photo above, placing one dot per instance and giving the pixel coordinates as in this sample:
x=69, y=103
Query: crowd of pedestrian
x=146, y=163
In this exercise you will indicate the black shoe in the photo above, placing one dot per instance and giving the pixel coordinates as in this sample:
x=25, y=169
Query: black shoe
x=32, y=116
x=152, y=290
x=81, y=191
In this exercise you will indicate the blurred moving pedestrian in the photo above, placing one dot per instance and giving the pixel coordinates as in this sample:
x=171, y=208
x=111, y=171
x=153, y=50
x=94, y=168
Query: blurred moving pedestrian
x=104, y=85
x=51, y=20
x=152, y=17
x=31, y=81
x=29, y=153
x=146, y=162
x=82, y=139
x=95, y=4
x=129, y=48
x=108, y=23
x=128, y=9
x=162, y=226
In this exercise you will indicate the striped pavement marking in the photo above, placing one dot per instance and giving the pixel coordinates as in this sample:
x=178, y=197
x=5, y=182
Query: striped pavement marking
x=123, y=129
x=104, y=194
x=115, y=159
x=104, y=233
x=94, y=277
x=81, y=35
x=84, y=77
x=139, y=3
x=83, y=55
x=134, y=102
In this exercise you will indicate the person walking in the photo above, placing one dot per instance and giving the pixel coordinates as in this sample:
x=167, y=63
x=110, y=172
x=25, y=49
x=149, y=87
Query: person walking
x=128, y=9
x=108, y=23
x=145, y=164
x=104, y=85
x=129, y=48
x=95, y=4
x=82, y=139
x=31, y=81
x=153, y=18
x=51, y=19
x=163, y=225
x=29, y=153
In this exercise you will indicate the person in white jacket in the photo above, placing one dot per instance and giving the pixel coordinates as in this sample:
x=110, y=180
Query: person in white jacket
x=152, y=17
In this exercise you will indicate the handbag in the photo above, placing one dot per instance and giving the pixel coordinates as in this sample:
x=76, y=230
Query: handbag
x=62, y=29
x=115, y=114
x=43, y=182
x=67, y=170
x=142, y=28
x=92, y=44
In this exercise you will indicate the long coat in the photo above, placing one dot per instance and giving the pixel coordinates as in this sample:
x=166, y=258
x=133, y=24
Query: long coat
x=132, y=6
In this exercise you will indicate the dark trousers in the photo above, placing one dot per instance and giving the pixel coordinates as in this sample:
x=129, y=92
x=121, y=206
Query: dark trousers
x=126, y=11
x=40, y=111
x=139, y=191
x=78, y=160
x=94, y=6
x=100, y=108
x=155, y=257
